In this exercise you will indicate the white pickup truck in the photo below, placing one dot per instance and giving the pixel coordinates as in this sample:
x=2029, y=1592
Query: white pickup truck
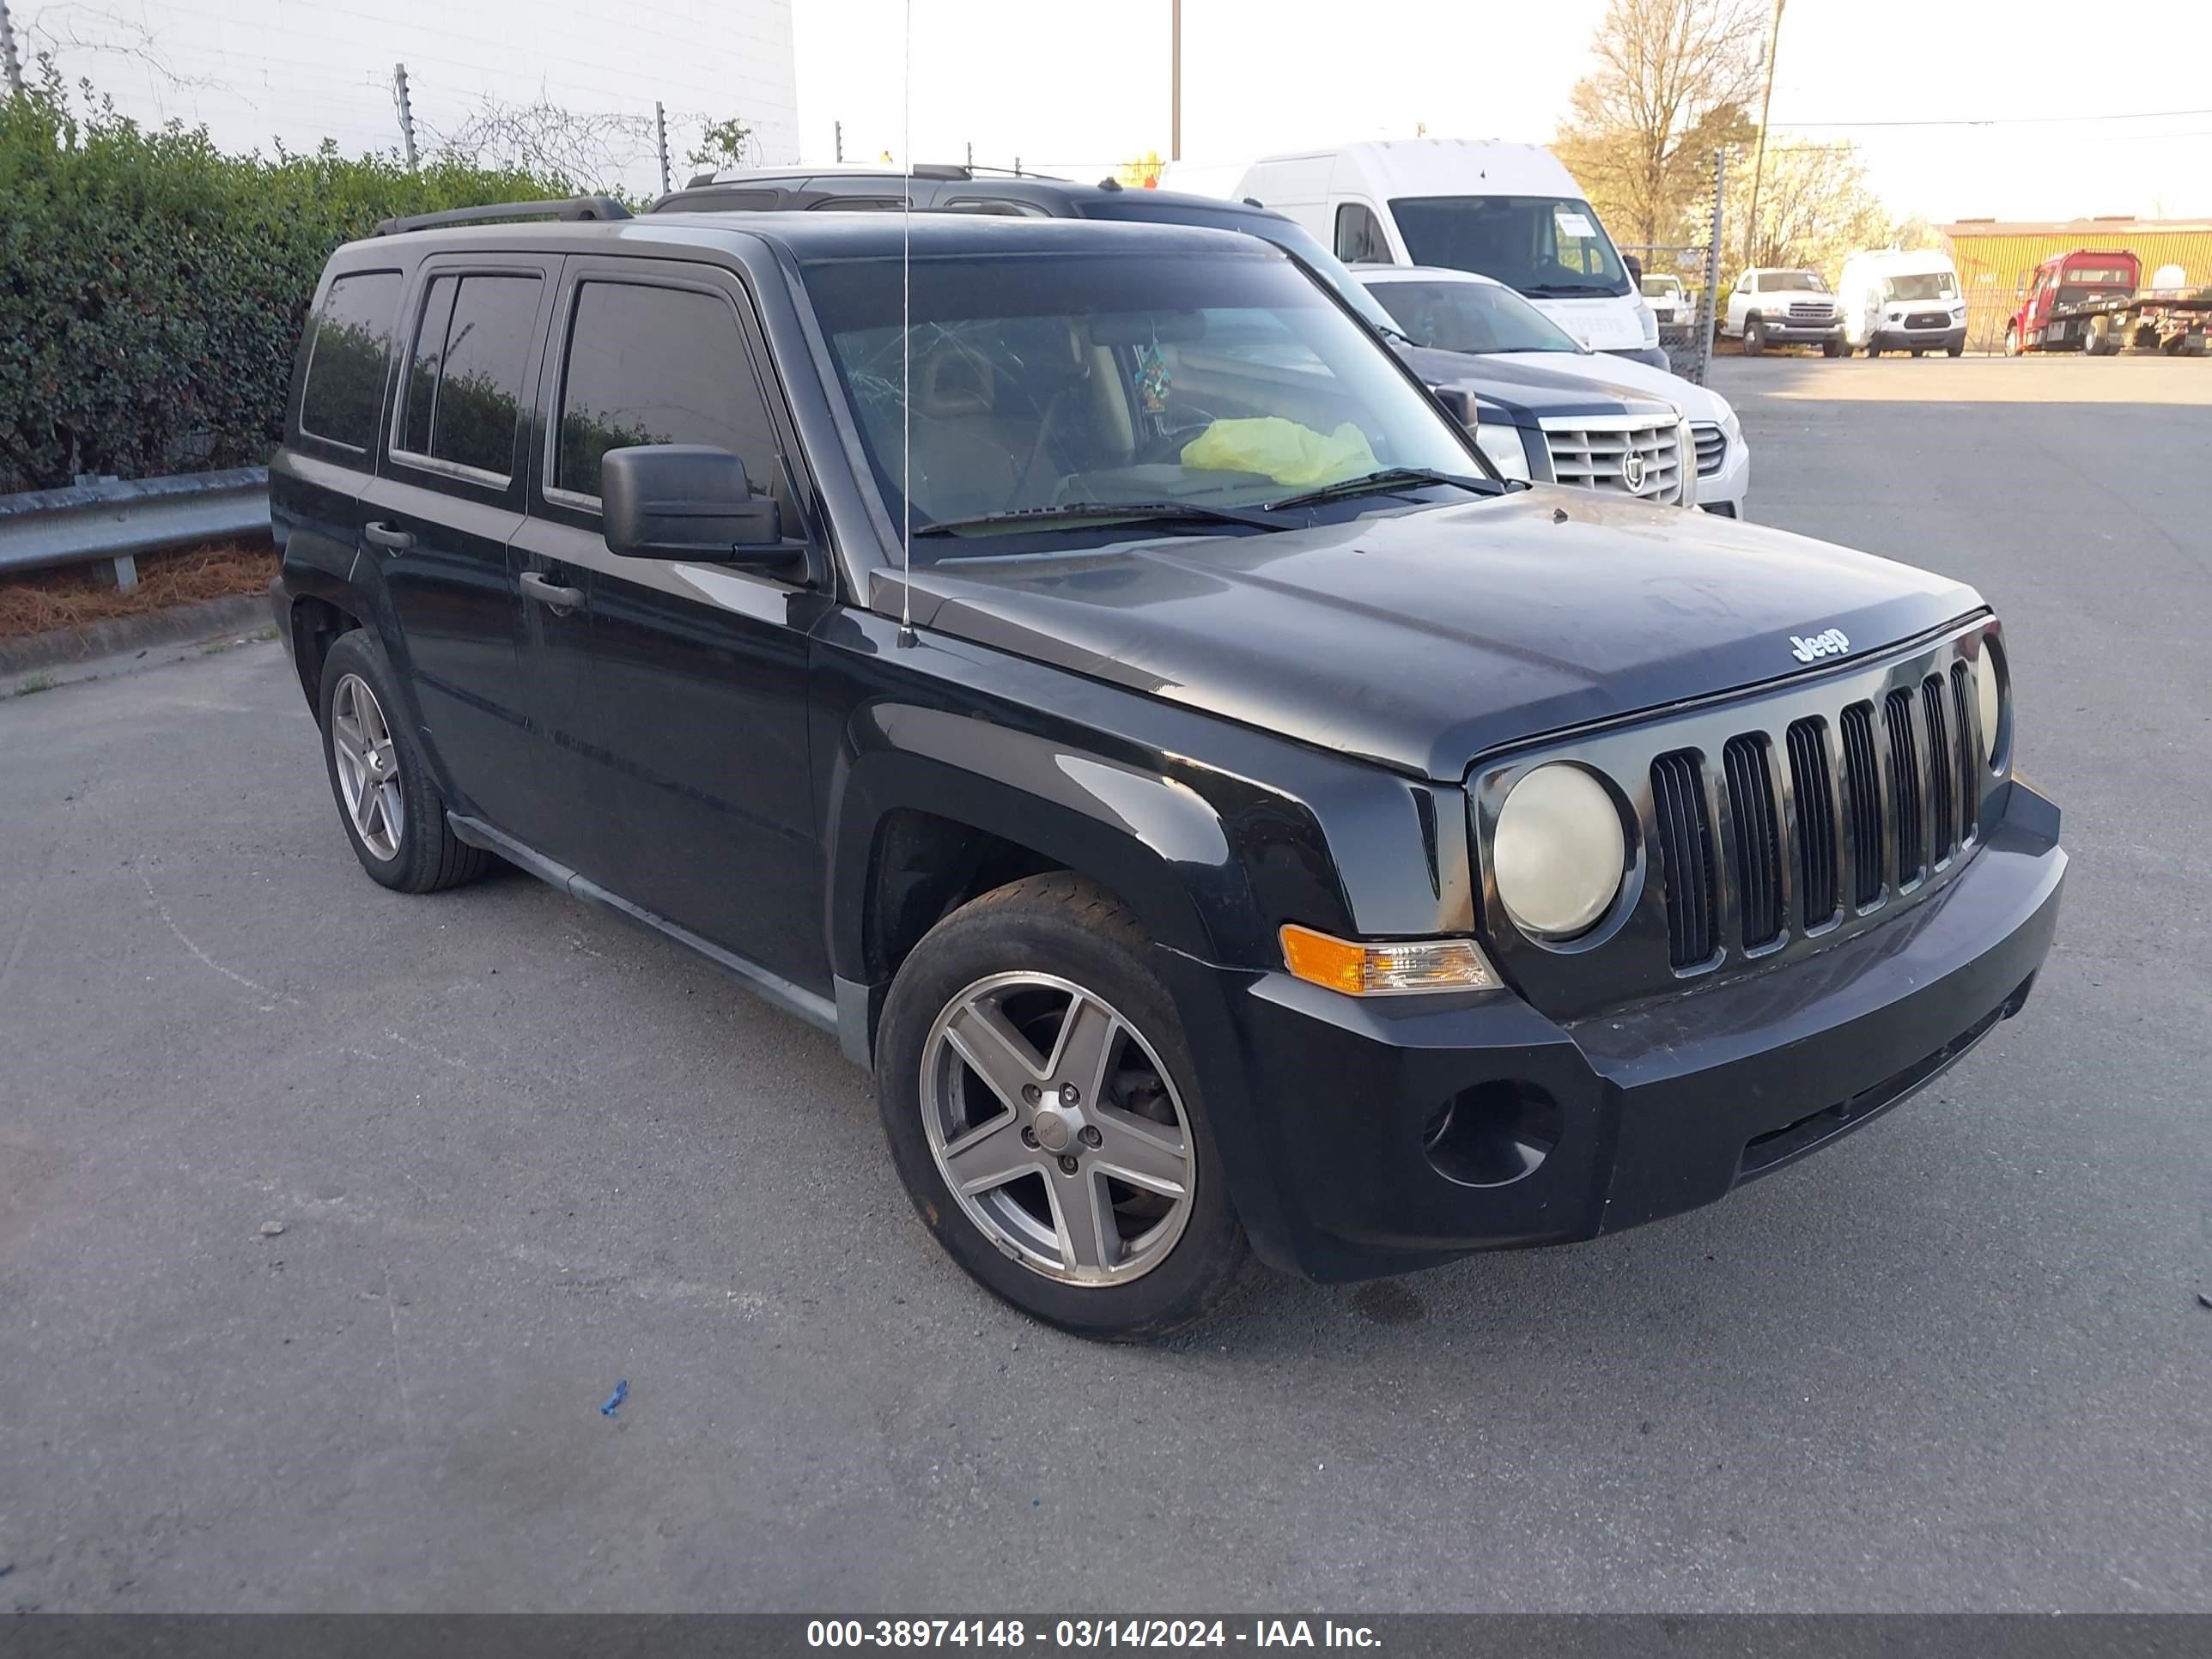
x=1784, y=308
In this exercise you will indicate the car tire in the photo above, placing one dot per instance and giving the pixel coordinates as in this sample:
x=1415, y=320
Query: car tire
x=2012, y=340
x=2099, y=341
x=1872, y=350
x=393, y=813
x=1834, y=348
x=1959, y=350
x=1002, y=980
x=1918, y=352
x=1754, y=338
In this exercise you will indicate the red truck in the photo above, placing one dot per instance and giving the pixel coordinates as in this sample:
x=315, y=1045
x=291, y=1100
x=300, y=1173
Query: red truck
x=2094, y=303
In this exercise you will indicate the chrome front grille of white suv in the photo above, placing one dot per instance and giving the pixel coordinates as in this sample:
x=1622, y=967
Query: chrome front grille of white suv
x=1636, y=455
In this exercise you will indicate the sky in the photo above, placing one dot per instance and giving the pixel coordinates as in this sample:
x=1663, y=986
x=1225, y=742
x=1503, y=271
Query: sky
x=1076, y=88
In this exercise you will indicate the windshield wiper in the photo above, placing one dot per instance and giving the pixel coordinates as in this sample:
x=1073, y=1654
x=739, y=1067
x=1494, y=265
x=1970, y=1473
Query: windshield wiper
x=1078, y=512
x=1569, y=291
x=1378, y=483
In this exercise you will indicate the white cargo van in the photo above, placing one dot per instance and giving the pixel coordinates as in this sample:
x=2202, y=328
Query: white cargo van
x=1508, y=211
x=1897, y=301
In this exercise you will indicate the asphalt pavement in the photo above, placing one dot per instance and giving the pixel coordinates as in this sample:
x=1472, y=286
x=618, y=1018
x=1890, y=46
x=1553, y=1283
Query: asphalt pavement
x=519, y=1152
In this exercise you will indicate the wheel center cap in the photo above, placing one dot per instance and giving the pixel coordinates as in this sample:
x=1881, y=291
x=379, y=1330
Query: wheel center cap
x=1056, y=1124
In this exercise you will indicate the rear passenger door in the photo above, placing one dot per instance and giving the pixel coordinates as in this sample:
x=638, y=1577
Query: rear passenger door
x=694, y=761
x=437, y=519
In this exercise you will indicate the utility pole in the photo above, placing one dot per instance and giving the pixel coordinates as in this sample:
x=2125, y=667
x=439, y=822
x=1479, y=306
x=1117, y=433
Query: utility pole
x=971, y=155
x=1766, y=101
x=15, y=66
x=1174, y=79
x=406, y=112
x=838, y=128
x=661, y=137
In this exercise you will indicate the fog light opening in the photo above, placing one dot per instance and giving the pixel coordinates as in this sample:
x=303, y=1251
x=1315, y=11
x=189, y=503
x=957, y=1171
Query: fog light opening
x=1493, y=1134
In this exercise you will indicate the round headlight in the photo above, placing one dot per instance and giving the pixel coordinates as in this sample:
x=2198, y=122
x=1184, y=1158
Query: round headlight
x=1992, y=699
x=1559, y=850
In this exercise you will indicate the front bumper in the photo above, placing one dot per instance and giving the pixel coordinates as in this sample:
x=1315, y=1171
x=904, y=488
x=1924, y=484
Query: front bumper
x=1890, y=338
x=1781, y=333
x=1322, y=1104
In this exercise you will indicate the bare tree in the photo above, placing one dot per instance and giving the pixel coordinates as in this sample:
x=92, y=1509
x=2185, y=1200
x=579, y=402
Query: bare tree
x=1815, y=207
x=71, y=31
x=590, y=150
x=1670, y=83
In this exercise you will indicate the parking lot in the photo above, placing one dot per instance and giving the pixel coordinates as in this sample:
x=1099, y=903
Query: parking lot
x=519, y=1152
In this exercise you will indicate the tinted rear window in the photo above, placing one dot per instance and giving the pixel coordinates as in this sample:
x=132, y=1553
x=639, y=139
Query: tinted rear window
x=465, y=386
x=344, y=390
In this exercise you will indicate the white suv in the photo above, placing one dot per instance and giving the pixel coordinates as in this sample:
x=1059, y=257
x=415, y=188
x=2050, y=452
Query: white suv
x=1784, y=308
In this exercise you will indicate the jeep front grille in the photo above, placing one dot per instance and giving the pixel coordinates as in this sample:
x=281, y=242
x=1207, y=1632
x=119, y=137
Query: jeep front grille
x=1905, y=810
x=1595, y=454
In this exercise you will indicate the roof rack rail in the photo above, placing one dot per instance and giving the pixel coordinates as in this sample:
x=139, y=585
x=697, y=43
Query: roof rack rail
x=573, y=208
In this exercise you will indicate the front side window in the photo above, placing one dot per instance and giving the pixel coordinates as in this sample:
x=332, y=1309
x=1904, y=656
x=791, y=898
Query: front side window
x=1473, y=316
x=1543, y=245
x=657, y=365
x=1359, y=238
x=464, y=397
x=1045, y=382
x=344, y=389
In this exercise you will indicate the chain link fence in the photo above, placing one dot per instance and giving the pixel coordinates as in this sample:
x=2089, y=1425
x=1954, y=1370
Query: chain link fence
x=1682, y=282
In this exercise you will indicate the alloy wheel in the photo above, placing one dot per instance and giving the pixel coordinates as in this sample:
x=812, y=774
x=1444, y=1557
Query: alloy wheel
x=1057, y=1129
x=367, y=768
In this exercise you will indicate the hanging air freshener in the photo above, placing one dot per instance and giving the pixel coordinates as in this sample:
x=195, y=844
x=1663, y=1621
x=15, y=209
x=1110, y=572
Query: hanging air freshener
x=1153, y=379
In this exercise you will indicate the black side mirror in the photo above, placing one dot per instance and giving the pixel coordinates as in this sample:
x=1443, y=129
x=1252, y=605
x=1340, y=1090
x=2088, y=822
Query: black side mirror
x=1635, y=264
x=1458, y=403
x=687, y=502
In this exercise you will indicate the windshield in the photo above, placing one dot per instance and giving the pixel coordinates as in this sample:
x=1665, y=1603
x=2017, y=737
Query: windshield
x=1286, y=234
x=1539, y=245
x=1662, y=287
x=1793, y=282
x=1921, y=285
x=1213, y=381
x=1473, y=316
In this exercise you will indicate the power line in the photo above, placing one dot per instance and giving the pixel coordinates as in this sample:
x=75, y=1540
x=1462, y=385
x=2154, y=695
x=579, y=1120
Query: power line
x=2011, y=120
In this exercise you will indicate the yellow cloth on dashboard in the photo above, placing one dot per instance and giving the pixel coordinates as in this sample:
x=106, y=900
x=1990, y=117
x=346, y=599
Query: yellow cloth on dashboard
x=1281, y=449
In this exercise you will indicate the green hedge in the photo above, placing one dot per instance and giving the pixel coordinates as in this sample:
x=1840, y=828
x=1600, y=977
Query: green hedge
x=152, y=289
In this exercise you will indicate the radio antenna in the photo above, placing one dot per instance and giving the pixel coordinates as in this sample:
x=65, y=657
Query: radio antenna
x=905, y=347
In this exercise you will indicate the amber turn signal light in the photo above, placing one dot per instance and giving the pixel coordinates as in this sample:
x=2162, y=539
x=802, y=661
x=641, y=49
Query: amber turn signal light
x=1387, y=970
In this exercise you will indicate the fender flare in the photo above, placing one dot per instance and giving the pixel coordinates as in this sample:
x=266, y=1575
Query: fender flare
x=1152, y=841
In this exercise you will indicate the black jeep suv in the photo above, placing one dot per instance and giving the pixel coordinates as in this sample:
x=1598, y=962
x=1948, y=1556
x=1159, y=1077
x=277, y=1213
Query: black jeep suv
x=1093, y=677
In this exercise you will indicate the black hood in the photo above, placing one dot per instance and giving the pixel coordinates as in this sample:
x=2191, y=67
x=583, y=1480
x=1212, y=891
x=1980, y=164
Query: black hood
x=1530, y=393
x=1420, y=640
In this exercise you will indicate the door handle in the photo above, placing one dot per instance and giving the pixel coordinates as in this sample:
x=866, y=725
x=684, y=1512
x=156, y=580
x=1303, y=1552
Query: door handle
x=383, y=535
x=536, y=585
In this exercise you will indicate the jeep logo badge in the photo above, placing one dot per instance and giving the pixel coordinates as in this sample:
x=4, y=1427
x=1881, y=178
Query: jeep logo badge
x=1829, y=644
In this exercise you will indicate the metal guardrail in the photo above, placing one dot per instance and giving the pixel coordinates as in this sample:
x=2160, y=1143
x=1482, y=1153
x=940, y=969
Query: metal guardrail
x=118, y=518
